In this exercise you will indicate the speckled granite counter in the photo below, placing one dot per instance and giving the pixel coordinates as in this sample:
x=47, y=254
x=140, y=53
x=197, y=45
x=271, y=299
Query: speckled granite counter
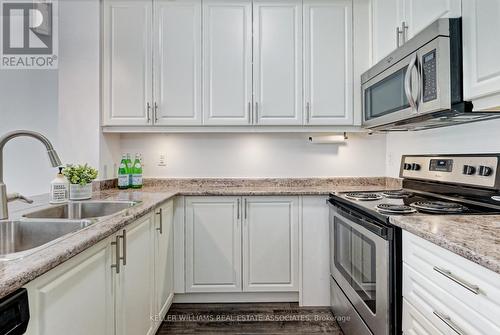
x=16, y=273
x=474, y=237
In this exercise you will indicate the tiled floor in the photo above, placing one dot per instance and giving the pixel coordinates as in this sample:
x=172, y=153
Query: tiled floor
x=268, y=318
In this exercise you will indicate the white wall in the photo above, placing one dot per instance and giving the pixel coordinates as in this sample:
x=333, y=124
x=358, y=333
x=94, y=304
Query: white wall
x=480, y=137
x=28, y=100
x=256, y=155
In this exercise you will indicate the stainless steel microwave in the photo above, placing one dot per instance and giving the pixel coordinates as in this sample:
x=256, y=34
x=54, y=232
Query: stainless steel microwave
x=420, y=84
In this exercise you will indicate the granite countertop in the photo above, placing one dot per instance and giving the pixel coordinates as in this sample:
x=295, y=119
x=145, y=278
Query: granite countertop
x=16, y=273
x=474, y=237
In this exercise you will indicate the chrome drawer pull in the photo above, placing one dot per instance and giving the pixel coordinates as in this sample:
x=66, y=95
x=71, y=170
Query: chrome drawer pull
x=447, y=320
x=116, y=244
x=472, y=288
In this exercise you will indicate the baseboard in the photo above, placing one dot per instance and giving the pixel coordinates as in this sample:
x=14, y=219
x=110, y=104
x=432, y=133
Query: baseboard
x=191, y=298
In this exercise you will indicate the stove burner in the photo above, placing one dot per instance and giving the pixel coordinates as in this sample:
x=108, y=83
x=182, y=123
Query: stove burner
x=395, y=209
x=363, y=196
x=439, y=207
x=400, y=194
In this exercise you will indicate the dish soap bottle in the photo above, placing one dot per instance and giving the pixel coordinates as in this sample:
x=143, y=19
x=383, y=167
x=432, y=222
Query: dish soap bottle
x=137, y=172
x=59, y=189
x=123, y=174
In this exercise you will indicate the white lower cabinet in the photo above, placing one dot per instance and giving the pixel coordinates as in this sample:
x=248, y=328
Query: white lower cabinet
x=164, y=259
x=135, y=284
x=213, y=244
x=216, y=255
x=118, y=286
x=77, y=297
x=445, y=293
x=270, y=244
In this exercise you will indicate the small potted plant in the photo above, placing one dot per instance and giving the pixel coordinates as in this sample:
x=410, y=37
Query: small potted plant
x=80, y=178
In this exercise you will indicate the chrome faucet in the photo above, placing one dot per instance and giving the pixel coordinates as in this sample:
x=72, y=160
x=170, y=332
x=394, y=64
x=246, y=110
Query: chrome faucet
x=6, y=198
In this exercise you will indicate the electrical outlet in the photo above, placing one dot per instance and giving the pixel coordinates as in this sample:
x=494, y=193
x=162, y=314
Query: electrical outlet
x=162, y=159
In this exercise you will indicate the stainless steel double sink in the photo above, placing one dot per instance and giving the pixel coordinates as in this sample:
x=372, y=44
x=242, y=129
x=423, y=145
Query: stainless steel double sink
x=40, y=228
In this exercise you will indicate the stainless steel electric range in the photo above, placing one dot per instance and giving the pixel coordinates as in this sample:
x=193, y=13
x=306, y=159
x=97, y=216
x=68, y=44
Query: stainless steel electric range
x=365, y=249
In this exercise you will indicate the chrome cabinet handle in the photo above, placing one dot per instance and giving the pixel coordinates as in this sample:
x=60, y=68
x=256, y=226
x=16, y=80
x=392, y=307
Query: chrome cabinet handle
x=148, y=111
x=116, y=243
x=448, y=274
x=238, y=210
x=399, y=33
x=156, y=112
x=449, y=322
x=245, y=205
x=404, y=31
x=408, y=88
x=250, y=112
x=256, y=112
x=124, y=247
x=160, y=229
x=308, y=112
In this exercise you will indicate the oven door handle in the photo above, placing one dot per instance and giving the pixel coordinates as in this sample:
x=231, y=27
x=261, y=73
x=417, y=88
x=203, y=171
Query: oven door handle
x=379, y=230
x=408, y=83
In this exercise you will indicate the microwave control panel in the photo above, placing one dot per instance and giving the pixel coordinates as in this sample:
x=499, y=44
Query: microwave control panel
x=429, y=76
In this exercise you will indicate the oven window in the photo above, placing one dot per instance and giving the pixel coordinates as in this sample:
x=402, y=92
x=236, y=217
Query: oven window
x=386, y=96
x=355, y=257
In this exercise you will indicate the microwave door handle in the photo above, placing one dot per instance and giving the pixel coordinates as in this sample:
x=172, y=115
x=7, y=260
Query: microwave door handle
x=408, y=86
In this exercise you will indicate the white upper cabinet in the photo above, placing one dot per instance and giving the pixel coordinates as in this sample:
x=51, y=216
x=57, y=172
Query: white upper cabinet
x=177, y=74
x=127, y=62
x=213, y=244
x=328, y=70
x=270, y=244
x=277, y=47
x=418, y=14
x=386, y=19
x=396, y=21
x=481, y=46
x=227, y=62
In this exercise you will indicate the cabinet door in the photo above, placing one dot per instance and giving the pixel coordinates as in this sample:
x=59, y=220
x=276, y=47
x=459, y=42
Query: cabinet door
x=77, y=296
x=177, y=74
x=135, y=282
x=481, y=47
x=277, y=46
x=270, y=244
x=418, y=14
x=127, y=62
x=213, y=244
x=386, y=17
x=227, y=62
x=164, y=259
x=328, y=72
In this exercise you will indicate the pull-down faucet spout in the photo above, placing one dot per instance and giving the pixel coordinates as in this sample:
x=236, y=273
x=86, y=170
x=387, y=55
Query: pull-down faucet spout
x=53, y=157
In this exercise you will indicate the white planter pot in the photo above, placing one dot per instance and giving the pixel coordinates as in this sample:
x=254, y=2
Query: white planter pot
x=80, y=192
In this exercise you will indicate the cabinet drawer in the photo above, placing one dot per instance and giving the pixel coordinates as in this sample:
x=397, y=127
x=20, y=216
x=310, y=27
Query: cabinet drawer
x=445, y=310
x=470, y=284
x=455, y=282
x=414, y=323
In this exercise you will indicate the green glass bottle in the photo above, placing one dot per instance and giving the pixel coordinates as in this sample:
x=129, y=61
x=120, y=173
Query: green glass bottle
x=123, y=175
x=129, y=170
x=137, y=172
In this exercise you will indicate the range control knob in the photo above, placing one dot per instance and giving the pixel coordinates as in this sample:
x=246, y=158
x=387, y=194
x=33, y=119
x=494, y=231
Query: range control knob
x=485, y=171
x=469, y=170
x=407, y=166
x=415, y=167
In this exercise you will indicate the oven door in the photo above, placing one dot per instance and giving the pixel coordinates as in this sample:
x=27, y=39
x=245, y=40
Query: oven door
x=360, y=264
